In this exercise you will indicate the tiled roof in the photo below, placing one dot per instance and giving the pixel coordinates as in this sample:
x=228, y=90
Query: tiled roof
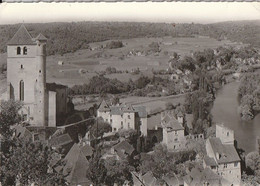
x=76, y=166
x=149, y=179
x=60, y=140
x=128, y=108
x=21, y=37
x=119, y=110
x=87, y=150
x=199, y=177
x=210, y=161
x=171, y=123
x=103, y=106
x=41, y=37
x=227, y=153
x=22, y=132
x=123, y=147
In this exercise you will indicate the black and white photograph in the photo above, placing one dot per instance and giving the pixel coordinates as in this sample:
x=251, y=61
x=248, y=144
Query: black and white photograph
x=130, y=94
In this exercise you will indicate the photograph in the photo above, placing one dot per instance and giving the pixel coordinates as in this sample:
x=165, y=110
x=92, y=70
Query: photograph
x=130, y=94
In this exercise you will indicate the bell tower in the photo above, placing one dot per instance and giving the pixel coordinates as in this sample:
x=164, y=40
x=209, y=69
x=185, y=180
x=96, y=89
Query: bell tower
x=40, y=104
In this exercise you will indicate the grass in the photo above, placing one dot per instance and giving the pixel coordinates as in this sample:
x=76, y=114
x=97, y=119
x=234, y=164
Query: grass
x=93, y=61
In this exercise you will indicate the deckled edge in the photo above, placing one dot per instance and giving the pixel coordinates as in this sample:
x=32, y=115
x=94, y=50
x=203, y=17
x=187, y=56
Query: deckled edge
x=113, y=1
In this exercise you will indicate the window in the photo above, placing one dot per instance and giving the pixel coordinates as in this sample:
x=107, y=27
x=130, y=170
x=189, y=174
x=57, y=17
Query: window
x=128, y=116
x=227, y=133
x=176, y=132
x=213, y=167
x=128, y=125
x=24, y=50
x=114, y=129
x=18, y=50
x=21, y=66
x=111, y=120
x=121, y=124
x=225, y=165
x=21, y=90
x=235, y=164
x=40, y=71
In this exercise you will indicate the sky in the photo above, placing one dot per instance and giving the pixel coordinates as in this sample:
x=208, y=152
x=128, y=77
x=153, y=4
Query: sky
x=170, y=12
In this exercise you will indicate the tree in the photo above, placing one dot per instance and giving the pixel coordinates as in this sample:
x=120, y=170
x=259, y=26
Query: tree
x=9, y=116
x=29, y=162
x=96, y=171
x=164, y=163
x=118, y=171
x=253, y=163
x=100, y=127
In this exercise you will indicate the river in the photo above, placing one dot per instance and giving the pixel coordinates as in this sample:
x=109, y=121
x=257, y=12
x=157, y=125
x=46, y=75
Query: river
x=225, y=110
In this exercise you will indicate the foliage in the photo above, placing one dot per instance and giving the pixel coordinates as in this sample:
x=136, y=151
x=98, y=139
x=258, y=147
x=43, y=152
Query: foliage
x=118, y=171
x=9, y=116
x=164, y=163
x=29, y=162
x=22, y=160
x=114, y=44
x=100, y=127
x=108, y=171
x=249, y=94
x=253, y=162
x=200, y=103
x=96, y=171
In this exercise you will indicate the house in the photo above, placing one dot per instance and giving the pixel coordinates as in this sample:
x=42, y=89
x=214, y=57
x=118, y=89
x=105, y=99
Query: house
x=120, y=151
x=22, y=132
x=204, y=177
x=124, y=116
x=173, y=131
x=225, y=134
x=146, y=179
x=76, y=165
x=63, y=142
x=223, y=159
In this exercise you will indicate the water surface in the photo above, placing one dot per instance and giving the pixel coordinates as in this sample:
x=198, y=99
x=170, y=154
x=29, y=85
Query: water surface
x=225, y=110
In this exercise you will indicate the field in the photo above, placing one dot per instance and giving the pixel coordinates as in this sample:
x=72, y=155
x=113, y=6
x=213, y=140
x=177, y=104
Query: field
x=80, y=66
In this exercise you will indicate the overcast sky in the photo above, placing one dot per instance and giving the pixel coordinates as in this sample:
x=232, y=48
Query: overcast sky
x=185, y=12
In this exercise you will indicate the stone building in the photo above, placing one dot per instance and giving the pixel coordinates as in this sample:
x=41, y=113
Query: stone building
x=26, y=80
x=173, y=131
x=222, y=157
x=124, y=117
x=225, y=134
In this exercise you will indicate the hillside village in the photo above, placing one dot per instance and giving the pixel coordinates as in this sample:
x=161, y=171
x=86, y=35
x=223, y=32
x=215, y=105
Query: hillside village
x=112, y=142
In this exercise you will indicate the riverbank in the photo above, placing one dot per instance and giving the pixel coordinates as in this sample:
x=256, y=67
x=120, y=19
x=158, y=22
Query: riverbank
x=225, y=110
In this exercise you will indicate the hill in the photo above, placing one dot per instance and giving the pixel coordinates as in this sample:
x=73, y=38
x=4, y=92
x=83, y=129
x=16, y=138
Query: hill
x=70, y=37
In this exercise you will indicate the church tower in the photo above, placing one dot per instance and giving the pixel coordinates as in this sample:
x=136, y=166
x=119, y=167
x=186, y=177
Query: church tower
x=26, y=74
x=40, y=110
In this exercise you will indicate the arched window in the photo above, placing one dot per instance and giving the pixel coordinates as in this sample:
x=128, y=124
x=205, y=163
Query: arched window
x=24, y=50
x=21, y=90
x=18, y=50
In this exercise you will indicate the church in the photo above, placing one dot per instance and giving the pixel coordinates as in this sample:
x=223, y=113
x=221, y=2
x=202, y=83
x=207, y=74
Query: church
x=43, y=103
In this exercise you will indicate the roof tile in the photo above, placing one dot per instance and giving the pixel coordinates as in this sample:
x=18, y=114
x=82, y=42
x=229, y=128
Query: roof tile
x=21, y=37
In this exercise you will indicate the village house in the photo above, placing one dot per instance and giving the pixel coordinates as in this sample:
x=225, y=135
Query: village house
x=173, y=130
x=222, y=157
x=120, y=151
x=146, y=179
x=76, y=165
x=124, y=117
x=204, y=177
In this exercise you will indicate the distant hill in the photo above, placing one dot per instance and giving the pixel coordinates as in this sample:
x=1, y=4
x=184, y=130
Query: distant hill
x=69, y=37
